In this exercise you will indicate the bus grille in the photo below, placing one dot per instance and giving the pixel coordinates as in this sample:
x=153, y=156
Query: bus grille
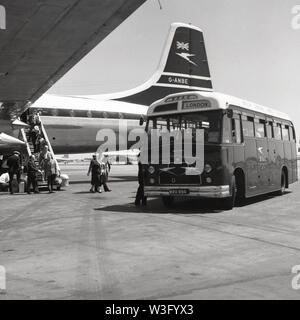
x=178, y=176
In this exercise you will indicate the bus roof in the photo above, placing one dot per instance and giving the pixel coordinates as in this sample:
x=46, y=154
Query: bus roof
x=217, y=101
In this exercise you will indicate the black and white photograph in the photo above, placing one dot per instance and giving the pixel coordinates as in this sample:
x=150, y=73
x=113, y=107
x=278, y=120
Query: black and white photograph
x=149, y=150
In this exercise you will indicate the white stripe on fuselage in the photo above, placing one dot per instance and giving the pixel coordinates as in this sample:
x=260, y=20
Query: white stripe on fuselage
x=75, y=133
x=182, y=87
x=72, y=103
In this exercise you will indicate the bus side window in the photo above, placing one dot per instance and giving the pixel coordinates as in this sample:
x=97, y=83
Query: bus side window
x=285, y=133
x=277, y=131
x=236, y=130
x=248, y=127
x=150, y=125
x=270, y=132
x=226, y=130
x=260, y=129
x=292, y=134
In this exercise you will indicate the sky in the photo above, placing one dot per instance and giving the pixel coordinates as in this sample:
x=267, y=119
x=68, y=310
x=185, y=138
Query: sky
x=253, y=51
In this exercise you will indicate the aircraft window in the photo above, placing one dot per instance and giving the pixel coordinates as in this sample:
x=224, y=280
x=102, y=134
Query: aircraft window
x=248, y=127
x=277, y=131
x=285, y=133
x=260, y=130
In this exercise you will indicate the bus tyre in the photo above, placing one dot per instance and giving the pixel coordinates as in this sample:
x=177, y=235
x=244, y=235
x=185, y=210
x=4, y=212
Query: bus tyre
x=228, y=203
x=168, y=201
x=282, y=183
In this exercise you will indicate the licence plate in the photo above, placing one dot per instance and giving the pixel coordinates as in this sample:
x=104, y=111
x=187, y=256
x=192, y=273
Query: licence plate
x=178, y=191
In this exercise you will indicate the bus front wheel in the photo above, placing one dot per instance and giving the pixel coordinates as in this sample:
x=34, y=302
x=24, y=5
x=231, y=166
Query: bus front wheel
x=168, y=201
x=228, y=203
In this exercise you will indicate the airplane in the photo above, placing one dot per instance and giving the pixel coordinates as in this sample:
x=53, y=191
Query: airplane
x=34, y=54
x=72, y=123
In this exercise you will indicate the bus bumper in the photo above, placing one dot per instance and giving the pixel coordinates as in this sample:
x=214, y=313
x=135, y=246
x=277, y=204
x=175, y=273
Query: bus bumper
x=203, y=191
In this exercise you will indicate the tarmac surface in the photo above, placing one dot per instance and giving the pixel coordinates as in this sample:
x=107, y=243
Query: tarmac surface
x=77, y=245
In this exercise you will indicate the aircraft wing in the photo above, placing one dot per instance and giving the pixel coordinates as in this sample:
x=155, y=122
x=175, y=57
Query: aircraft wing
x=43, y=39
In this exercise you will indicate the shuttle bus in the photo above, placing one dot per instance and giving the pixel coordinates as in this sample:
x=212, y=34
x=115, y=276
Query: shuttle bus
x=248, y=149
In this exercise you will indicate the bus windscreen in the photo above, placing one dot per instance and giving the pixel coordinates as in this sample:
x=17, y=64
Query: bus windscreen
x=210, y=121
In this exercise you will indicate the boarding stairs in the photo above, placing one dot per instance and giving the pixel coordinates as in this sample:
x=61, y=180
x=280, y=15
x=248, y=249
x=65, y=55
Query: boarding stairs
x=26, y=137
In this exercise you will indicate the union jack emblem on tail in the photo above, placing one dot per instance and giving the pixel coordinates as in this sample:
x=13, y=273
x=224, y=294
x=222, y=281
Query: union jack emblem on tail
x=183, y=46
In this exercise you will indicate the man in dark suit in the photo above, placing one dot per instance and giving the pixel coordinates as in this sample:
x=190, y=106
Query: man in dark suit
x=140, y=196
x=14, y=169
x=32, y=171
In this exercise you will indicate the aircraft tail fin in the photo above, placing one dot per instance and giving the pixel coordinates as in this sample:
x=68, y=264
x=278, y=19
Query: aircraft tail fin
x=184, y=60
x=183, y=67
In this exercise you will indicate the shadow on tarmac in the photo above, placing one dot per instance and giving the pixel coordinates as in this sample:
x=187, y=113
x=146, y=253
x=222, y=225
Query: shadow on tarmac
x=192, y=206
x=111, y=180
x=156, y=206
x=260, y=198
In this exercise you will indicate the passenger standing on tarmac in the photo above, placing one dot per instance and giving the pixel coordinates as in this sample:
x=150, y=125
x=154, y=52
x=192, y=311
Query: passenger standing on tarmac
x=51, y=172
x=105, y=169
x=14, y=169
x=140, y=196
x=95, y=168
x=45, y=155
x=32, y=170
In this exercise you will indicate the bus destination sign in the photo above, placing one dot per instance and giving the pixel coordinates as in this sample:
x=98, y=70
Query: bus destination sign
x=196, y=105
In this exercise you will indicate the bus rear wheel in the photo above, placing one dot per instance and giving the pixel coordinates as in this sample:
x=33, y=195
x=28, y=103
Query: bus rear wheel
x=228, y=203
x=168, y=201
x=282, y=184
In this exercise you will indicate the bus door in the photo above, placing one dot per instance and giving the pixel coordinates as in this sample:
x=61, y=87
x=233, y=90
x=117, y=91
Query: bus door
x=237, y=140
x=287, y=147
x=294, y=153
x=272, y=153
x=250, y=154
x=279, y=153
x=263, y=170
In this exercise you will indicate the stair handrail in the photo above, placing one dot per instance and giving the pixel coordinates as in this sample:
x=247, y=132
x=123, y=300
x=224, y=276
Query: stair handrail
x=26, y=141
x=48, y=142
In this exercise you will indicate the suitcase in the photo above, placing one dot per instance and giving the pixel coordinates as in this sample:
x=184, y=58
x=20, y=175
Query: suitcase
x=22, y=187
x=15, y=185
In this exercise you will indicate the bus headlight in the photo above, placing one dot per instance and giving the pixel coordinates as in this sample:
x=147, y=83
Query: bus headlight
x=151, y=169
x=152, y=181
x=207, y=168
x=208, y=180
